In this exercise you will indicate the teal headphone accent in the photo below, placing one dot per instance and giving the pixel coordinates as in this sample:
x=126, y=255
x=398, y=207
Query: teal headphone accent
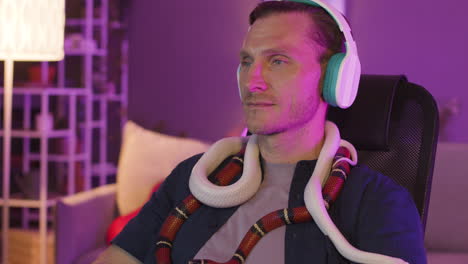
x=305, y=2
x=343, y=70
x=331, y=78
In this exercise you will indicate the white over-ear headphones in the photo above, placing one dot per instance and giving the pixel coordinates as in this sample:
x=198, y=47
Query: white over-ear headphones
x=343, y=71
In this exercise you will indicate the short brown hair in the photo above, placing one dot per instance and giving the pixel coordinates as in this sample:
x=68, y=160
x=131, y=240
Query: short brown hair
x=328, y=35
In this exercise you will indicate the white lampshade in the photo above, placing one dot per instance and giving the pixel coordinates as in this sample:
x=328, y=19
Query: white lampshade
x=32, y=30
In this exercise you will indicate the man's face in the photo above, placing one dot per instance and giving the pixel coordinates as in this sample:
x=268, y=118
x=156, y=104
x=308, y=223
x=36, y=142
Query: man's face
x=280, y=74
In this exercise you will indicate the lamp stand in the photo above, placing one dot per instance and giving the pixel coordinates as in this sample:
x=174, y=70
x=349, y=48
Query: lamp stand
x=7, y=108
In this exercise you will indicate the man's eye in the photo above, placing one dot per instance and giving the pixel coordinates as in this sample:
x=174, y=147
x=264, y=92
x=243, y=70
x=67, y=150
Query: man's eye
x=245, y=63
x=278, y=62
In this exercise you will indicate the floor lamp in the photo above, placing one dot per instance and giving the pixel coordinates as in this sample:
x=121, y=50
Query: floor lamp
x=30, y=30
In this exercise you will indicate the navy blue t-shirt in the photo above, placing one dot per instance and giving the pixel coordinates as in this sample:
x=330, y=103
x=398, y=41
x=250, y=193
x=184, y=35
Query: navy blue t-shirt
x=373, y=212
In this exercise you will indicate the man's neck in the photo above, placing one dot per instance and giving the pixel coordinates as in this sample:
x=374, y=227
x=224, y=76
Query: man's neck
x=291, y=146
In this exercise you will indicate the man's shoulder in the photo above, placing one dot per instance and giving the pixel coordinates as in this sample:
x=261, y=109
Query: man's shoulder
x=366, y=179
x=370, y=197
x=184, y=168
x=370, y=210
x=366, y=188
x=188, y=163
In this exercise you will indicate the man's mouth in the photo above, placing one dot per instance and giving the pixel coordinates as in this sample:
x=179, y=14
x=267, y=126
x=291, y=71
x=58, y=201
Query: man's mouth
x=258, y=104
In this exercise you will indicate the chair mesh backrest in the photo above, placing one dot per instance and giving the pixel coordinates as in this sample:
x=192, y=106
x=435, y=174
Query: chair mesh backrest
x=413, y=135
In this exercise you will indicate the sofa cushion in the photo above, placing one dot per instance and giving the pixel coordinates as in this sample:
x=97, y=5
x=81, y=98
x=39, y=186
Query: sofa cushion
x=146, y=158
x=90, y=256
x=81, y=222
x=447, y=217
x=447, y=258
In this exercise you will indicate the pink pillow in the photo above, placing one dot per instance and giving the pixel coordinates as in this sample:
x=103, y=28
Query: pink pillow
x=120, y=222
x=148, y=157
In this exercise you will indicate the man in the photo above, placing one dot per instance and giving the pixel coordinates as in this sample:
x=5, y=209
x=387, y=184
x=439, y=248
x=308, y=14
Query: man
x=283, y=61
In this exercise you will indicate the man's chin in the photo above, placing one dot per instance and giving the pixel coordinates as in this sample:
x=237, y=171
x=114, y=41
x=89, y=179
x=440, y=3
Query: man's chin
x=263, y=131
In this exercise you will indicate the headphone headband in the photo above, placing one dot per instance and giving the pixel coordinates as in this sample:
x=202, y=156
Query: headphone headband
x=343, y=71
x=337, y=16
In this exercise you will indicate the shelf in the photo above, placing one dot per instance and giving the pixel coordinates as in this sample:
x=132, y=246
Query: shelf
x=38, y=134
x=48, y=90
x=108, y=169
x=84, y=110
x=116, y=25
x=94, y=124
x=59, y=157
x=81, y=52
x=76, y=22
x=108, y=97
x=82, y=22
x=18, y=200
x=34, y=216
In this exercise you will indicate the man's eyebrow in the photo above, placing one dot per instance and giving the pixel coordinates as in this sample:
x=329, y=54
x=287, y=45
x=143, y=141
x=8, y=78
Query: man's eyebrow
x=275, y=51
x=245, y=54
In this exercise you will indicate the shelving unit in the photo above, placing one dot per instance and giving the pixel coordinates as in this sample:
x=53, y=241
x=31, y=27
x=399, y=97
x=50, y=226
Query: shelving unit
x=75, y=105
x=28, y=133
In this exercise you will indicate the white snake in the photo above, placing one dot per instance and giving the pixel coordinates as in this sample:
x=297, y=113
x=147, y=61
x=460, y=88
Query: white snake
x=248, y=184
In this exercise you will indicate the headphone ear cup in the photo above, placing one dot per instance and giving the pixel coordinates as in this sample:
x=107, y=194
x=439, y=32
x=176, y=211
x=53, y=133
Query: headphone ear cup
x=331, y=78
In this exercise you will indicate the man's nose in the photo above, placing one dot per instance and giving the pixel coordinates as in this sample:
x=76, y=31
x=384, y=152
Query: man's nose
x=255, y=81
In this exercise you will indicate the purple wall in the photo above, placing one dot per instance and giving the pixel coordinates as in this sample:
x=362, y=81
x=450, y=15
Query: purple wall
x=183, y=61
x=425, y=40
x=183, y=57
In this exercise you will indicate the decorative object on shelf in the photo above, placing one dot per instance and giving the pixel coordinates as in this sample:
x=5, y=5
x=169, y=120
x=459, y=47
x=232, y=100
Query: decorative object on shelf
x=28, y=183
x=448, y=109
x=29, y=31
x=77, y=41
x=35, y=74
x=44, y=122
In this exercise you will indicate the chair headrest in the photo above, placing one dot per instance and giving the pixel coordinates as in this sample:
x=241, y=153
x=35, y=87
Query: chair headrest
x=366, y=123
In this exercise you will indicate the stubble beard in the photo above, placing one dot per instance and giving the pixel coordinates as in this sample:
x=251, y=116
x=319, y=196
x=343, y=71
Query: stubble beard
x=298, y=115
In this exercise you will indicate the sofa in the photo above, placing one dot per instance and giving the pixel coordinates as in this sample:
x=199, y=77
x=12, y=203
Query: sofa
x=83, y=220
x=446, y=237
